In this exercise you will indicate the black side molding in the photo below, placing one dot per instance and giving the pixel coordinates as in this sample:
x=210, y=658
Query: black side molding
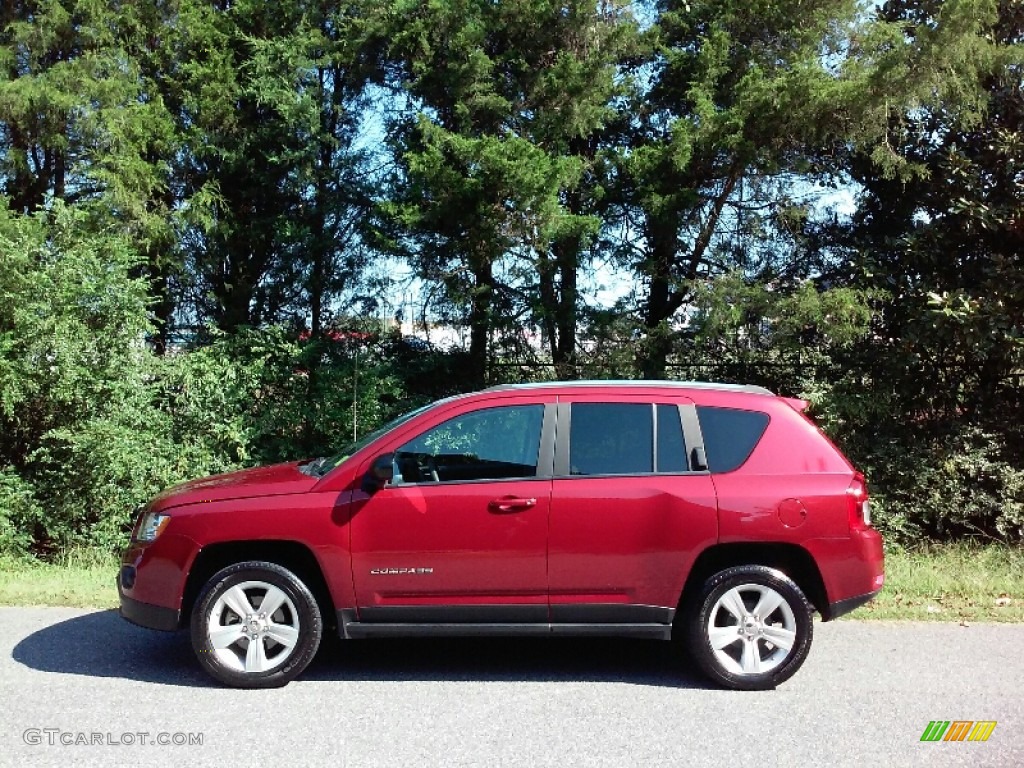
x=454, y=614
x=356, y=630
x=649, y=622
x=609, y=613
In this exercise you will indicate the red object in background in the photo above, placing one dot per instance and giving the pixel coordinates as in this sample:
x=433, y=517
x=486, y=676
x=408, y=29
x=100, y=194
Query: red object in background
x=334, y=335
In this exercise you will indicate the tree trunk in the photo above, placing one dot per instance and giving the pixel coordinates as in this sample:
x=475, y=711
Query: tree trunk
x=653, y=352
x=667, y=291
x=480, y=322
x=546, y=269
x=163, y=306
x=564, y=354
x=236, y=286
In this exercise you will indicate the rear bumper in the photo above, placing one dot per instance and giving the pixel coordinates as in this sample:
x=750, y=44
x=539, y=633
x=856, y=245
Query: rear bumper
x=146, y=614
x=852, y=569
x=842, y=607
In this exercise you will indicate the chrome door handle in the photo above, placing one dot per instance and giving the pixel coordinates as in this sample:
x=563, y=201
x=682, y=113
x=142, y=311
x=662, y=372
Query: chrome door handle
x=511, y=504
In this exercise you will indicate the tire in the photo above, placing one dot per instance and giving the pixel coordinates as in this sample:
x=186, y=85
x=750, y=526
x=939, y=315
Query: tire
x=742, y=610
x=239, y=645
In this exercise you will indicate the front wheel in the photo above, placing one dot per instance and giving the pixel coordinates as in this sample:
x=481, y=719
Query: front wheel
x=256, y=625
x=751, y=628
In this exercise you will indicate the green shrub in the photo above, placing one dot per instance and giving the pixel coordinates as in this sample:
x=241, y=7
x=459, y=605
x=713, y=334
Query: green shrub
x=252, y=398
x=73, y=320
x=959, y=484
x=258, y=396
x=19, y=513
x=97, y=473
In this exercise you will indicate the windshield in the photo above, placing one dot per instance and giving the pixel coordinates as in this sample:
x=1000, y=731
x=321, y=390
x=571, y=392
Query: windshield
x=327, y=464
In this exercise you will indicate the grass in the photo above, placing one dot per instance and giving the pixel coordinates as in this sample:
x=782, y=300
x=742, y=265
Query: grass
x=79, y=578
x=950, y=582
x=960, y=582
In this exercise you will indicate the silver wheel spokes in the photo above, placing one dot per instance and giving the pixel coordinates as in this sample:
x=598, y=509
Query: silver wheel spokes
x=253, y=627
x=751, y=629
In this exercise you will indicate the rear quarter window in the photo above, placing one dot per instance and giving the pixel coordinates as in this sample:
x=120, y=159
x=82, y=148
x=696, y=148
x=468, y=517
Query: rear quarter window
x=730, y=435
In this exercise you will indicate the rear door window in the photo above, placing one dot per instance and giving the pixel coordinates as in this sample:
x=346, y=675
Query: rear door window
x=611, y=439
x=730, y=435
x=625, y=439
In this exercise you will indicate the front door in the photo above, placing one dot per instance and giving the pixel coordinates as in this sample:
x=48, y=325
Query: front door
x=460, y=534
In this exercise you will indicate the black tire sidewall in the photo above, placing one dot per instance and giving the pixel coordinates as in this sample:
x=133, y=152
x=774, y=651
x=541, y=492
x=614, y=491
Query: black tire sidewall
x=700, y=615
x=310, y=624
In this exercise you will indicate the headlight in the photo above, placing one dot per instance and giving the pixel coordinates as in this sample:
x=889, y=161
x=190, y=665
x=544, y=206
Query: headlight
x=151, y=526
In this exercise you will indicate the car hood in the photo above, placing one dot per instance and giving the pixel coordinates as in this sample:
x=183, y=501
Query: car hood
x=274, y=480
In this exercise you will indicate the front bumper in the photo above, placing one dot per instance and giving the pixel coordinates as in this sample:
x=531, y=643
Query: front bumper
x=146, y=614
x=152, y=578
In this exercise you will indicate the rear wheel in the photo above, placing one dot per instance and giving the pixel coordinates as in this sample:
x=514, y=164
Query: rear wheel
x=256, y=625
x=751, y=628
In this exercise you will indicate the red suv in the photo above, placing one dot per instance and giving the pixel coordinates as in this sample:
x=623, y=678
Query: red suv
x=713, y=513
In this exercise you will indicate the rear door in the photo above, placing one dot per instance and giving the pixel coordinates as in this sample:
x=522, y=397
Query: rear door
x=629, y=510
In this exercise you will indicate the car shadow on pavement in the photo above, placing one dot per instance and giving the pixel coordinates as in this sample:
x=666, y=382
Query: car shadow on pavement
x=102, y=644
x=561, y=659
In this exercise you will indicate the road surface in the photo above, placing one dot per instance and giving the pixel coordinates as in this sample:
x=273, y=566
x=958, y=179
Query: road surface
x=85, y=688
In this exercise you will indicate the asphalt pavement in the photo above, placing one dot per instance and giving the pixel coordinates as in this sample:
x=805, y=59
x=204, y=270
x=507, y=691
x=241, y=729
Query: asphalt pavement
x=85, y=688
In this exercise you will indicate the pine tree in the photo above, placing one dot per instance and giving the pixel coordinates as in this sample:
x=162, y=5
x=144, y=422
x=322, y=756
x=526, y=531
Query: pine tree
x=945, y=240
x=494, y=161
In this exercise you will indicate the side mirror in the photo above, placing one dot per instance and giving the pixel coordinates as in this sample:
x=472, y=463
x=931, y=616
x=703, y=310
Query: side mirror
x=379, y=474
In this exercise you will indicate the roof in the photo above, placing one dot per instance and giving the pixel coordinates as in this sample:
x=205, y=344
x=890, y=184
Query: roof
x=652, y=383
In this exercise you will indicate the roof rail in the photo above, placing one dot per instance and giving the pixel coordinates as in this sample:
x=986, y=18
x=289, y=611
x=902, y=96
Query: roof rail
x=747, y=388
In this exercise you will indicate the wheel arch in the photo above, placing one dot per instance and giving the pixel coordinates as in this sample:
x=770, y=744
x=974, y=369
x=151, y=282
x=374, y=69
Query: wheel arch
x=793, y=560
x=293, y=555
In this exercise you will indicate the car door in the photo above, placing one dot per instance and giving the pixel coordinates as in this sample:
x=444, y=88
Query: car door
x=631, y=507
x=460, y=533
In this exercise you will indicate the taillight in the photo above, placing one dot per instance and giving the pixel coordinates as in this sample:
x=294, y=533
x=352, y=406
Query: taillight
x=859, y=504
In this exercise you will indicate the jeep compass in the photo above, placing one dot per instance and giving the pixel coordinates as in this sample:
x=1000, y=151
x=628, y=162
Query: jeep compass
x=718, y=515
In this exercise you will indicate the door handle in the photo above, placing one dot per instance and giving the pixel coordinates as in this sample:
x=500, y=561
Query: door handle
x=511, y=504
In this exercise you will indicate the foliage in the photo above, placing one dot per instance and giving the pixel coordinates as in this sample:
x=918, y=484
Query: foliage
x=738, y=94
x=197, y=195
x=265, y=98
x=946, y=244
x=493, y=168
x=961, y=484
x=241, y=400
x=93, y=424
x=19, y=513
x=72, y=324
